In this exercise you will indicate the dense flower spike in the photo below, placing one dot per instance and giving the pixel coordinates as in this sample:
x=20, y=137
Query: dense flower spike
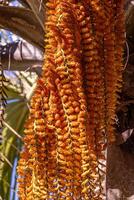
x=73, y=109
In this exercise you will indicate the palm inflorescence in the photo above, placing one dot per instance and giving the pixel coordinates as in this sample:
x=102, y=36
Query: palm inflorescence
x=72, y=112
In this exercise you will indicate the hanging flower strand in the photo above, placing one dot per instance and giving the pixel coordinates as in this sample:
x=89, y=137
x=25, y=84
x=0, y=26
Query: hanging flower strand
x=72, y=112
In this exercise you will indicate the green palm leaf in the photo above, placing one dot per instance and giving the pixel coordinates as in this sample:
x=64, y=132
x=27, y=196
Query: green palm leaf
x=15, y=115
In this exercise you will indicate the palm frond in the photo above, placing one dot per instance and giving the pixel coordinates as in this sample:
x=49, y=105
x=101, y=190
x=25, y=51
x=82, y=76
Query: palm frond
x=22, y=22
x=15, y=115
x=3, y=97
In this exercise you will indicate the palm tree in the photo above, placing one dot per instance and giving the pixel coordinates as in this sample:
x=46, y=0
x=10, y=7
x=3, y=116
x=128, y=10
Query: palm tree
x=27, y=21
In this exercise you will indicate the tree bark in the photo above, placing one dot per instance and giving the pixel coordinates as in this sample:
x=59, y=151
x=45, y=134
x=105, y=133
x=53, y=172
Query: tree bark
x=120, y=158
x=120, y=174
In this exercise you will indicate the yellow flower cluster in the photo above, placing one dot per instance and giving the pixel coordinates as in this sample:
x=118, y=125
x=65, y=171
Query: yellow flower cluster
x=73, y=109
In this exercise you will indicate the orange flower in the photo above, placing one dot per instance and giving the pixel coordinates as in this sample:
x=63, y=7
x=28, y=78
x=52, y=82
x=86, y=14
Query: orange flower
x=72, y=112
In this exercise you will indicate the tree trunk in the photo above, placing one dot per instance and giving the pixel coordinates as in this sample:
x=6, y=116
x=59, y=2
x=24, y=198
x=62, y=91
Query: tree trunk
x=120, y=158
x=120, y=174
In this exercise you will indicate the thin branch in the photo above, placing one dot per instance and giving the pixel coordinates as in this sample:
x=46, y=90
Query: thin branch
x=41, y=2
x=127, y=58
x=23, y=57
x=12, y=130
x=10, y=143
x=8, y=186
x=31, y=92
x=5, y=159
